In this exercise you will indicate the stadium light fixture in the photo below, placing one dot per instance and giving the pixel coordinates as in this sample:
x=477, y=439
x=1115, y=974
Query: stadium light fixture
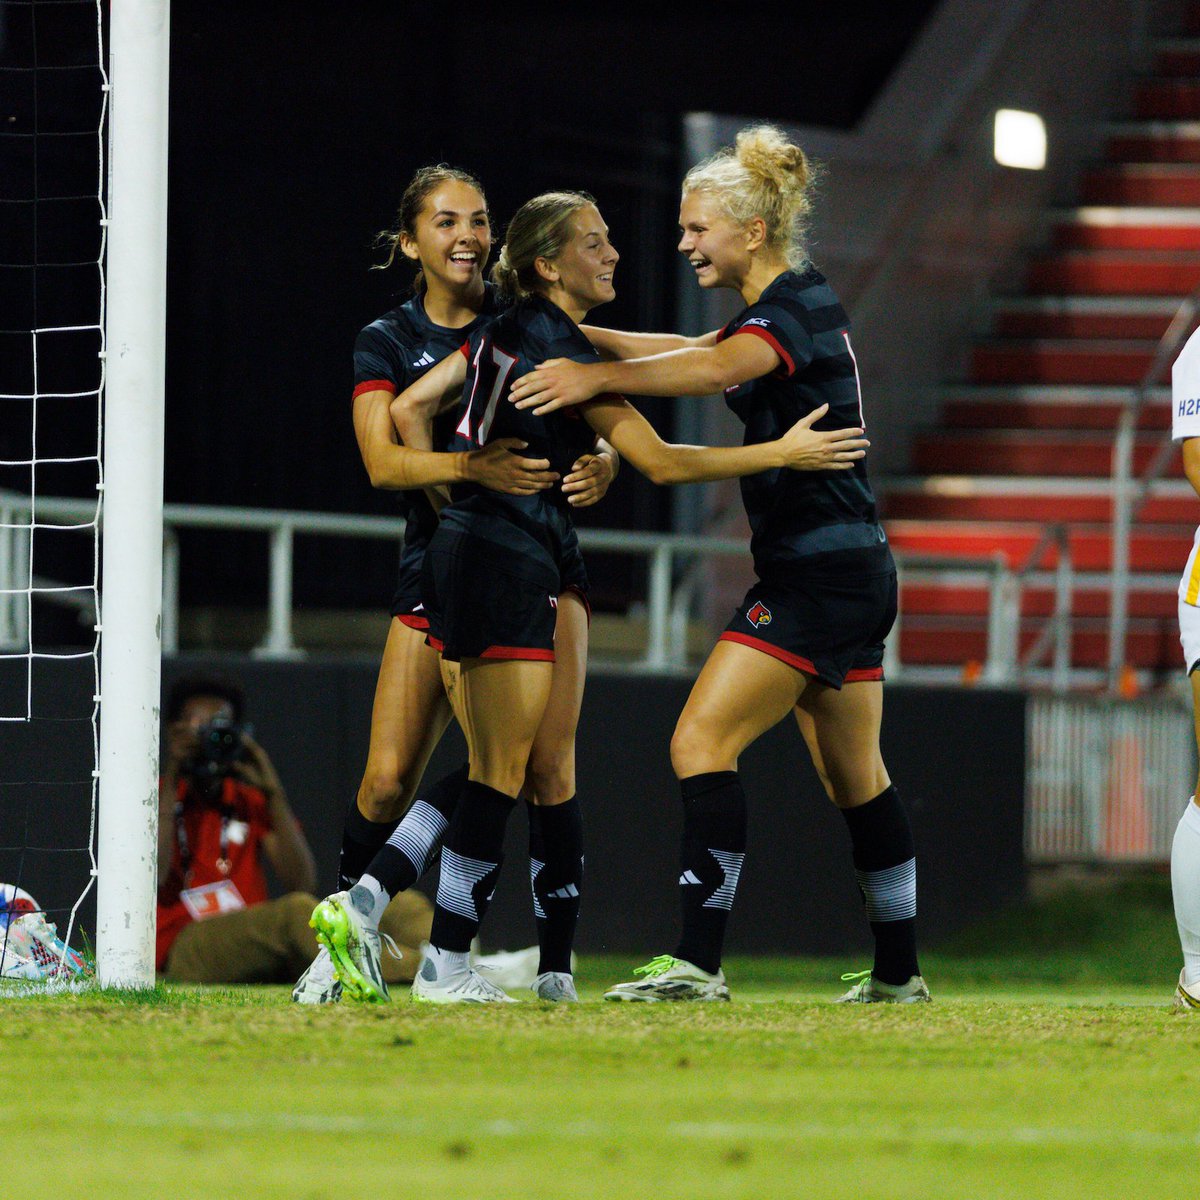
x=1020, y=139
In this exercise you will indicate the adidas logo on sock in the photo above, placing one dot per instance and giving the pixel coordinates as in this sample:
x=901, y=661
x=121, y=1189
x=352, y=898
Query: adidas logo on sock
x=570, y=892
x=688, y=877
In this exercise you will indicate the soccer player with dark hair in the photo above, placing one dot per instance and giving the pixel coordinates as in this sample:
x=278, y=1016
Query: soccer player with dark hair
x=809, y=636
x=497, y=575
x=442, y=226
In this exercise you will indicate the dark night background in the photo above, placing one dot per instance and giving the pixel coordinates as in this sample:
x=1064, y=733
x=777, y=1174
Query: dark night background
x=292, y=135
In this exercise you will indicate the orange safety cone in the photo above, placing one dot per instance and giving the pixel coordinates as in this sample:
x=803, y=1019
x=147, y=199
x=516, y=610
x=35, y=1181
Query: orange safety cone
x=1128, y=686
x=1126, y=832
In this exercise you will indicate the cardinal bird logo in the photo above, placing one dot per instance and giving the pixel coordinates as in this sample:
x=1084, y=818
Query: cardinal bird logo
x=760, y=614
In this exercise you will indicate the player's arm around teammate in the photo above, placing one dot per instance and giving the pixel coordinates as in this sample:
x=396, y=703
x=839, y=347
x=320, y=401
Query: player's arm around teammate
x=826, y=597
x=515, y=691
x=442, y=227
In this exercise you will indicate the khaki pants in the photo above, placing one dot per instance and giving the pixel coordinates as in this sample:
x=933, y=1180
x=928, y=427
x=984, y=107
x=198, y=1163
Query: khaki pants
x=272, y=942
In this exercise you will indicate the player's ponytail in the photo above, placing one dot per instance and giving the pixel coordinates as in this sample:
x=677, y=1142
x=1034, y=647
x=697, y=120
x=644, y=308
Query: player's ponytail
x=541, y=228
x=420, y=188
x=764, y=175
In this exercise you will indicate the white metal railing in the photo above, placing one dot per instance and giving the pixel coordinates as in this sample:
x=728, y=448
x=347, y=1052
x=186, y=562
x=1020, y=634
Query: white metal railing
x=1106, y=779
x=1129, y=494
x=669, y=590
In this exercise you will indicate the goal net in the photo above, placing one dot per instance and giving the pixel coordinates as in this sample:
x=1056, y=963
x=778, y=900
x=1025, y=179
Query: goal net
x=51, y=383
x=78, y=727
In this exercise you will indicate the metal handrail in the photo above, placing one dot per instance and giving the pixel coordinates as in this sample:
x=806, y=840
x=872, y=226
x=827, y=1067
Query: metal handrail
x=665, y=648
x=1057, y=629
x=1128, y=496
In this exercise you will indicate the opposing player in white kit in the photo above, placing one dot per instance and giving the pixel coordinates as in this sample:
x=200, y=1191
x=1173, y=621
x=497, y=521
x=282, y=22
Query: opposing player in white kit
x=1185, y=849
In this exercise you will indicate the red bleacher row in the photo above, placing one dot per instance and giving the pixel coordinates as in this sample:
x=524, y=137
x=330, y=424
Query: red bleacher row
x=1027, y=440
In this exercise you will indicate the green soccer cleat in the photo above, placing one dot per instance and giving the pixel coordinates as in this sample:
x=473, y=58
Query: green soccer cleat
x=353, y=947
x=869, y=990
x=669, y=978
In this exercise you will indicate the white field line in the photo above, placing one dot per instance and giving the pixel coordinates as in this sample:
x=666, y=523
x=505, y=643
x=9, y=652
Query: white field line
x=696, y=1131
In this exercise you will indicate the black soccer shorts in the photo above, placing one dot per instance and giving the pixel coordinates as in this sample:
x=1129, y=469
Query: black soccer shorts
x=828, y=625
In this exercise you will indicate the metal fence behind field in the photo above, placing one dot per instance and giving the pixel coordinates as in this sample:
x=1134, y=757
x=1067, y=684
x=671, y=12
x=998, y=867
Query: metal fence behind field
x=1106, y=779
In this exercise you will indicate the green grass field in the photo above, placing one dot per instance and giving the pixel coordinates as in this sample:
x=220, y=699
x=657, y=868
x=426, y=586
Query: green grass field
x=1050, y=1066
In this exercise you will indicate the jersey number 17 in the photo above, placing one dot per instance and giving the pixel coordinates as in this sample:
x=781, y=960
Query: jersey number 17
x=474, y=427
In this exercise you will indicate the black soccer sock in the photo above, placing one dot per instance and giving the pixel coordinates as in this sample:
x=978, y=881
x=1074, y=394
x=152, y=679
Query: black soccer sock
x=361, y=840
x=556, y=876
x=886, y=869
x=416, y=840
x=714, y=847
x=472, y=854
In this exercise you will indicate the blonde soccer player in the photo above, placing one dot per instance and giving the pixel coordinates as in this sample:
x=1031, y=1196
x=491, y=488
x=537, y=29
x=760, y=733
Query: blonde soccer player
x=444, y=229
x=809, y=637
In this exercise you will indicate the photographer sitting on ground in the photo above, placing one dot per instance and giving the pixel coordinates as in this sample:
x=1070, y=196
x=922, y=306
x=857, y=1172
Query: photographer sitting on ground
x=222, y=812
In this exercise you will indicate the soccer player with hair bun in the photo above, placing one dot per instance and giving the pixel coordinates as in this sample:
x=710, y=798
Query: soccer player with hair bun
x=443, y=227
x=809, y=637
x=503, y=589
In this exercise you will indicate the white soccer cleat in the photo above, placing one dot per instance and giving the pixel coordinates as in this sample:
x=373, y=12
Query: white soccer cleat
x=17, y=966
x=669, y=978
x=463, y=987
x=515, y=969
x=556, y=986
x=353, y=947
x=1187, y=996
x=36, y=939
x=869, y=990
x=319, y=984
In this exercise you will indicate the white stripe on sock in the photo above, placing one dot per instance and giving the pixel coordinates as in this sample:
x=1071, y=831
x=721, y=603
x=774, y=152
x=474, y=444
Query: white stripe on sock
x=458, y=877
x=731, y=864
x=891, y=893
x=416, y=836
x=535, y=868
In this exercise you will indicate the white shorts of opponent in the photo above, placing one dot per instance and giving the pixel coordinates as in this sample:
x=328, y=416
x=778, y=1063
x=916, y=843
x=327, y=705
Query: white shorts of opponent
x=1189, y=608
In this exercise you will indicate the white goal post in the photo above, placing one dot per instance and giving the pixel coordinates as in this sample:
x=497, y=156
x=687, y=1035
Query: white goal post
x=131, y=585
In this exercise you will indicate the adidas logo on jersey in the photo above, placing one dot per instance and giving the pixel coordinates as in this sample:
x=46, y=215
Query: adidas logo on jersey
x=426, y=360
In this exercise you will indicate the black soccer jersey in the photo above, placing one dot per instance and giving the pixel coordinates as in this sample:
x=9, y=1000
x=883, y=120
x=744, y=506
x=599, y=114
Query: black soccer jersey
x=533, y=535
x=394, y=352
x=796, y=513
x=499, y=353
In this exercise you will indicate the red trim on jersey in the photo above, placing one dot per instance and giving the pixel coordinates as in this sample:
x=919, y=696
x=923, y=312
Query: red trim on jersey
x=530, y=653
x=767, y=336
x=792, y=660
x=413, y=621
x=373, y=385
x=864, y=674
x=465, y=349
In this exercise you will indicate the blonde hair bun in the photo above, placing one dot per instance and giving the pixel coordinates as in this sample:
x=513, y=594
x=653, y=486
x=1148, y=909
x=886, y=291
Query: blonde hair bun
x=766, y=152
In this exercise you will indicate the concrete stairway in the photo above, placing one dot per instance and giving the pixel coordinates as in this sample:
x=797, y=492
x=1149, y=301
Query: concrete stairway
x=1027, y=439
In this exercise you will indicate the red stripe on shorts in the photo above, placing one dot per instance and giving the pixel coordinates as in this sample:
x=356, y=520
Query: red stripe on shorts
x=864, y=674
x=413, y=621
x=792, y=660
x=529, y=653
